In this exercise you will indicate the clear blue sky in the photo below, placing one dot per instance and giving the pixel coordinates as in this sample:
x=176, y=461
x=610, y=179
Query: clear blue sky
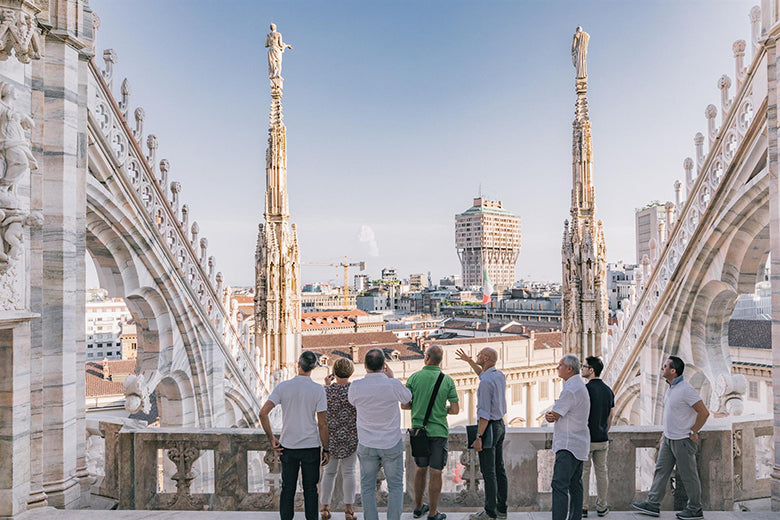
x=397, y=112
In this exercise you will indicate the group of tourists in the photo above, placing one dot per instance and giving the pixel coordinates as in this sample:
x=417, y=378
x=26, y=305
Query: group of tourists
x=344, y=422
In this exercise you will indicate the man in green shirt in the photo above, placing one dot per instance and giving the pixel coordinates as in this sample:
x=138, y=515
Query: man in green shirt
x=421, y=385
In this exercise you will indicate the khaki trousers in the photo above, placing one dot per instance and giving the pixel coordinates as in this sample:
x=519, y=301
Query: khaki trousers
x=598, y=453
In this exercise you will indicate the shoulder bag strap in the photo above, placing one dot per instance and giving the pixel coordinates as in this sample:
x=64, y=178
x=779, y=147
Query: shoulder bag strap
x=433, y=396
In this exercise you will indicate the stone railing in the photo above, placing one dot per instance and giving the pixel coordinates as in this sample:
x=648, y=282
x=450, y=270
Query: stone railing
x=737, y=117
x=233, y=469
x=161, y=202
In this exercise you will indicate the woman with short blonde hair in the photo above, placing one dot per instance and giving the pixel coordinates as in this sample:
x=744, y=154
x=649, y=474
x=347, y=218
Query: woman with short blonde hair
x=342, y=430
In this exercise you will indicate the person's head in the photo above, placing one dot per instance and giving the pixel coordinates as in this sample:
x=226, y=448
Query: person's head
x=375, y=360
x=592, y=367
x=433, y=355
x=343, y=368
x=487, y=358
x=306, y=362
x=673, y=367
x=273, y=27
x=568, y=366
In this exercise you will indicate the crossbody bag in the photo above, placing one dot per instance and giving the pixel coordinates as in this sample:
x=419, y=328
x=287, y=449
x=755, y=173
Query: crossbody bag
x=418, y=437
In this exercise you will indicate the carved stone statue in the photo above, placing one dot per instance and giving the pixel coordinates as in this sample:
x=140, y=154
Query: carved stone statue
x=136, y=394
x=16, y=159
x=276, y=48
x=579, y=51
x=19, y=32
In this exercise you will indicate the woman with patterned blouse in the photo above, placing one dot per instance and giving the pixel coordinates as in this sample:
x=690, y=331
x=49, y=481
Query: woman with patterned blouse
x=342, y=429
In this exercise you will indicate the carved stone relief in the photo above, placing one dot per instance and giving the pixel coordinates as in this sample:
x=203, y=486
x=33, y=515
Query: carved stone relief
x=19, y=34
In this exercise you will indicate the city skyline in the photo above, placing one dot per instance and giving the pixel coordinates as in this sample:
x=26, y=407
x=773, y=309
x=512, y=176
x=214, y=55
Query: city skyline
x=399, y=116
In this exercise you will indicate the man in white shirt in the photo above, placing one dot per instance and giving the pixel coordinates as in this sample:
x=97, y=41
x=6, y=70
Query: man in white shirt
x=684, y=416
x=571, y=440
x=376, y=398
x=301, y=400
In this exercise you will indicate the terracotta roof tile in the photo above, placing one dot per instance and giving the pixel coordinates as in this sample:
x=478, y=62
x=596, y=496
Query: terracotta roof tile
x=96, y=386
x=344, y=340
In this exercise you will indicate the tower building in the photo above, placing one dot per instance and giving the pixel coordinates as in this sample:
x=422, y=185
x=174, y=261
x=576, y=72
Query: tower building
x=277, y=258
x=487, y=237
x=584, y=254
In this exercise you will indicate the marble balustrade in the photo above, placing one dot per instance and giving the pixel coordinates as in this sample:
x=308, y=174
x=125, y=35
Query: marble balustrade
x=232, y=469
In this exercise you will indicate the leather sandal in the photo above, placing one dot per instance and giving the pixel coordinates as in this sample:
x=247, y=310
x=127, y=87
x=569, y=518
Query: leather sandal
x=325, y=513
x=349, y=513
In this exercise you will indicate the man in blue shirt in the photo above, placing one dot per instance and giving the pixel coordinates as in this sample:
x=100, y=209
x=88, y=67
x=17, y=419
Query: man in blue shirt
x=491, y=408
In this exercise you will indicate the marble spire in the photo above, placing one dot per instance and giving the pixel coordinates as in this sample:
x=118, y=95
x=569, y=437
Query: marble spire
x=277, y=257
x=585, y=304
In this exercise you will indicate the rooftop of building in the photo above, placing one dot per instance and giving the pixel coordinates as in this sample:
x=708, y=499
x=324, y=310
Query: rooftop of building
x=487, y=206
x=102, y=384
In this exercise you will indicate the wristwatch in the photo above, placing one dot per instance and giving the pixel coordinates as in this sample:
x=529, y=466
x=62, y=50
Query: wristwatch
x=693, y=432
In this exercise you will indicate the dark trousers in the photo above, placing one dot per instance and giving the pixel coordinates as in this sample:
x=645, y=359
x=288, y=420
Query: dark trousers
x=308, y=461
x=491, y=463
x=567, y=487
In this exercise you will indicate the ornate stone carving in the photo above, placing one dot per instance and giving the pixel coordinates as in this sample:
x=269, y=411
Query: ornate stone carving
x=276, y=48
x=16, y=161
x=136, y=394
x=19, y=32
x=579, y=52
x=583, y=249
x=183, y=456
x=109, y=57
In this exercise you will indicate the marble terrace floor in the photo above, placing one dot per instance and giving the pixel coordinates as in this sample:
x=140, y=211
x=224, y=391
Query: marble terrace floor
x=87, y=514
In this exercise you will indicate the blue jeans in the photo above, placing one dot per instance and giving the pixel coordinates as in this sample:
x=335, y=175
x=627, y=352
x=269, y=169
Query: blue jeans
x=567, y=487
x=392, y=460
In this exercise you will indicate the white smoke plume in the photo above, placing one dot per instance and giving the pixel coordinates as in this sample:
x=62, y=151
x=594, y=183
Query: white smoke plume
x=367, y=237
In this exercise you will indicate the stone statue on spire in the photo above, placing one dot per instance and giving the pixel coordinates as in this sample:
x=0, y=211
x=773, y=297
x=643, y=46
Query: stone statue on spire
x=276, y=48
x=579, y=52
x=585, y=304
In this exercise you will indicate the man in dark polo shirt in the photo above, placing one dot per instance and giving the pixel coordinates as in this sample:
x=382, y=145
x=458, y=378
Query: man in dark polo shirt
x=602, y=401
x=421, y=385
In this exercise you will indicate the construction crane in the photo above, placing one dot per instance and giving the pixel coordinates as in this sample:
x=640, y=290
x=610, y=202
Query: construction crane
x=346, y=265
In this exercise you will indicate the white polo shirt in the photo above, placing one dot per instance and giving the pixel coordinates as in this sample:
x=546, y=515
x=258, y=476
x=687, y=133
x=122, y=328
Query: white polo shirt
x=376, y=399
x=571, y=431
x=301, y=399
x=679, y=414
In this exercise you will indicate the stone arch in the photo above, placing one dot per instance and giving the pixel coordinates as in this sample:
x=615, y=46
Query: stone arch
x=169, y=337
x=175, y=400
x=243, y=412
x=627, y=405
x=710, y=315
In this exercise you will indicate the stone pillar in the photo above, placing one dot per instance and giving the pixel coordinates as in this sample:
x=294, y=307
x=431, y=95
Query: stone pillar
x=774, y=227
x=472, y=404
x=530, y=404
x=14, y=412
x=63, y=94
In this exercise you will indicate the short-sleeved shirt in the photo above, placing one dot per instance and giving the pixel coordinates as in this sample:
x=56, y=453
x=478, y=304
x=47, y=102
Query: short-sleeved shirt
x=571, y=432
x=301, y=399
x=376, y=399
x=342, y=422
x=421, y=384
x=679, y=414
x=491, y=395
x=602, y=400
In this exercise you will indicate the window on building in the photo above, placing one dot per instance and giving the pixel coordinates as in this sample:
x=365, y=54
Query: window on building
x=753, y=390
x=517, y=393
x=544, y=390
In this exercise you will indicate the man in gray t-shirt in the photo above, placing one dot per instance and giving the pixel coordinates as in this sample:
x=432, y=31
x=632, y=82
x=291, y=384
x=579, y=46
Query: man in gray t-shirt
x=684, y=416
x=304, y=430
